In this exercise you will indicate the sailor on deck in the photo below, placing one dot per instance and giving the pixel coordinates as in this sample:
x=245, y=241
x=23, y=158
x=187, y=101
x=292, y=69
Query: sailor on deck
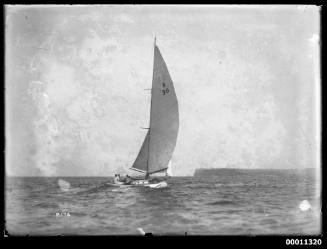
x=116, y=179
x=128, y=179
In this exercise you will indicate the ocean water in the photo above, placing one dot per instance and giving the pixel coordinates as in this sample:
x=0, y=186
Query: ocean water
x=250, y=202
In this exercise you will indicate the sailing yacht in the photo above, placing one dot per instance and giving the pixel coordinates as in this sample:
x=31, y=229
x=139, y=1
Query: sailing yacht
x=160, y=141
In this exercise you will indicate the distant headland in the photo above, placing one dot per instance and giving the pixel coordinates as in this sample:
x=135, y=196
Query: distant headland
x=216, y=171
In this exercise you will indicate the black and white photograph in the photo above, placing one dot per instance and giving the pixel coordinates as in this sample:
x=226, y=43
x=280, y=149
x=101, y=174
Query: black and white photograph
x=162, y=120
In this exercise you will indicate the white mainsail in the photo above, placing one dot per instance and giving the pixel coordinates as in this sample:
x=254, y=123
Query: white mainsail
x=160, y=141
x=169, y=172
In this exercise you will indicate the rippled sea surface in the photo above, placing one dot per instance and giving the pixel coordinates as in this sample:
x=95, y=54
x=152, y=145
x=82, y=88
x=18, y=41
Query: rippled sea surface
x=230, y=203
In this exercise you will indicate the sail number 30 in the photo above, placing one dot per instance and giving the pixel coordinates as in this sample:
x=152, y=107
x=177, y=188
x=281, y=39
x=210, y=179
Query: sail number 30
x=164, y=91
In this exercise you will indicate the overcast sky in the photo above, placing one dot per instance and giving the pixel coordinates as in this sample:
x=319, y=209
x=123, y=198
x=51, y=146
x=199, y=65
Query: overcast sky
x=246, y=77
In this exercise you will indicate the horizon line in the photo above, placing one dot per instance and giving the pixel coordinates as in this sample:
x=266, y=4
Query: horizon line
x=191, y=175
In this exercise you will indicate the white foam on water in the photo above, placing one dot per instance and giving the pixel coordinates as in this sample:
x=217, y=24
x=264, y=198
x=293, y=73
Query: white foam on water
x=64, y=186
x=305, y=206
x=141, y=231
x=119, y=190
x=158, y=185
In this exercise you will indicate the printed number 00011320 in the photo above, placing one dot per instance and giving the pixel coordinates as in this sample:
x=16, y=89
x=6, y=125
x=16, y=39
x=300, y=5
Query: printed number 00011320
x=303, y=242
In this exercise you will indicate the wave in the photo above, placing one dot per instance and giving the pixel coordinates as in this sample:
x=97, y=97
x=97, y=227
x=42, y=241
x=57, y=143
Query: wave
x=235, y=184
x=222, y=203
x=79, y=214
x=231, y=211
x=227, y=185
x=94, y=189
x=268, y=221
x=45, y=205
x=120, y=190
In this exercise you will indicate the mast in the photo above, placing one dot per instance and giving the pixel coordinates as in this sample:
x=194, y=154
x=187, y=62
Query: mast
x=147, y=162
